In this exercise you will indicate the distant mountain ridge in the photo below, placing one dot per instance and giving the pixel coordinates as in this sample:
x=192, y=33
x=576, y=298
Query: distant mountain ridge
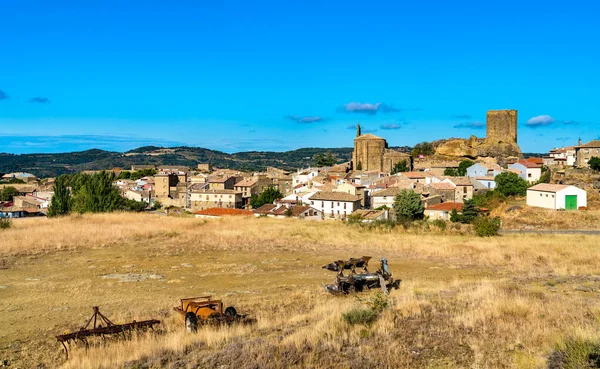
x=51, y=165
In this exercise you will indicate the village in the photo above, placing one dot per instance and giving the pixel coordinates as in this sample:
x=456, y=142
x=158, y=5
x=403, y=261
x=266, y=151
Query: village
x=364, y=188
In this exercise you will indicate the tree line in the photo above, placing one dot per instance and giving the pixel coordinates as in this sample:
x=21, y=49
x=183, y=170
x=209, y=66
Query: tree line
x=83, y=193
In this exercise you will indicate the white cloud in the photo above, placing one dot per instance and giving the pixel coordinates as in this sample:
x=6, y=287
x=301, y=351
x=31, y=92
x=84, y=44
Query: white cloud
x=540, y=121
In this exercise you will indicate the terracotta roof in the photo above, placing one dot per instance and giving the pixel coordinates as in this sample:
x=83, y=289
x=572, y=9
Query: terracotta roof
x=446, y=206
x=217, y=212
x=461, y=181
x=369, y=214
x=547, y=187
x=266, y=208
x=221, y=192
x=390, y=191
x=539, y=161
x=416, y=174
x=218, y=179
x=368, y=136
x=485, y=178
x=246, y=182
x=529, y=164
x=443, y=186
x=334, y=196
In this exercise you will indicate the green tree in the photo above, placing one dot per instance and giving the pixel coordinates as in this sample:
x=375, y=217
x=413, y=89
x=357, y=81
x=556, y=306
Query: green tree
x=594, y=163
x=268, y=196
x=61, y=200
x=401, y=166
x=156, y=205
x=8, y=193
x=326, y=160
x=510, y=184
x=454, y=216
x=408, y=206
x=486, y=226
x=453, y=172
x=546, y=175
x=469, y=212
x=462, y=167
x=423, y=148
x=133, y=205
x=97, y=194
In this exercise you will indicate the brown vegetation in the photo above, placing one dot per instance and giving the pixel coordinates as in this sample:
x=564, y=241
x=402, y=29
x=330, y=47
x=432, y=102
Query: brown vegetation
x=465, y=301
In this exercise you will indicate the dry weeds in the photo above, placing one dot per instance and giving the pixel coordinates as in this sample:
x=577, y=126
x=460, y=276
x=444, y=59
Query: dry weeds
x=465, y=301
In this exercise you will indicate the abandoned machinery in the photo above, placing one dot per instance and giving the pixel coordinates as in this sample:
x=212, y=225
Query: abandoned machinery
x=362, y=280
x=204, y=310
x=102, y=327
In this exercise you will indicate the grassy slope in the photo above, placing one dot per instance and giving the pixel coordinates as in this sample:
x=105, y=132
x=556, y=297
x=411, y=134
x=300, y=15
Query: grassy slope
x=464, y=301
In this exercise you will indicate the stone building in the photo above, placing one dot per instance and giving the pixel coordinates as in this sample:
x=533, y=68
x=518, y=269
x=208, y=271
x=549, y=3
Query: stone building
x=501, y=126
x=584, y=152
x=371, y=153
x=170, y=188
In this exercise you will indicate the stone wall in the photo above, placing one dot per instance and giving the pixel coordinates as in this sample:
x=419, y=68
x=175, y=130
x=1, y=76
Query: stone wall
x=501, y=126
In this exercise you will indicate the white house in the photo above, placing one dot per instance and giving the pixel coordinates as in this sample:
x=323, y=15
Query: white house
x=384, y=197
x=483, y=170
x=530, y=171
x=488, y=182
x=557, y=197
x=337, y=205
x=301, y=197
x=304, y=176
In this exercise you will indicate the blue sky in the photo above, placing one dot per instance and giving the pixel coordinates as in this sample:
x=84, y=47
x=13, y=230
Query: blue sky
x=279, y=75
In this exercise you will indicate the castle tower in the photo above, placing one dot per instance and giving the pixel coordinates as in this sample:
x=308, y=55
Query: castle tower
x=358, y=130
x=501, y=126
x=368, y=152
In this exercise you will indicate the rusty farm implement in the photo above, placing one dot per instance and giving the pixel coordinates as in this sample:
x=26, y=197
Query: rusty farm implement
x=101, y=326
x=205, y=310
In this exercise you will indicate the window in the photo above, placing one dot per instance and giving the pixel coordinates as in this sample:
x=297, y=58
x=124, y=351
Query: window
x=312, y=202
x=552, y=196
x=344, y=205
x=465, y=189
x=322, y=204
x=541, y=195
x=529, y=175
x=546, y=195
x=338, y=204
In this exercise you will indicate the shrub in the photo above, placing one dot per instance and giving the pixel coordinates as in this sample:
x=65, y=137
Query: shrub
x=486, y=227
x=378, y=303
x=359, y=316
x=354, y=219
x=440, y=224
x=575, y=353
x=5, y=223
x=408, y=206
x=401, y=166
x=594, y=163
x=510, y=184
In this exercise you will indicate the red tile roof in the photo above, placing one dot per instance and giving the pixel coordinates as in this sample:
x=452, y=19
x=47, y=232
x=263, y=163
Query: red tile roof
x=547, y=187
x=218, y=212
x=529, y=164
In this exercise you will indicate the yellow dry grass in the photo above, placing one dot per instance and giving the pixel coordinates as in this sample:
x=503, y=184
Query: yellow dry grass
x=464, y=301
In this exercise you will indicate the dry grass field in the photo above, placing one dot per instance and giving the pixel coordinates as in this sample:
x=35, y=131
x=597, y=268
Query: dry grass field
x=465, y=302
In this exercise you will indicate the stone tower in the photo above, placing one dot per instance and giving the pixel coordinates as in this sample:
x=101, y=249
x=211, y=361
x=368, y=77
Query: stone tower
x=368, y=152
x=501, y=126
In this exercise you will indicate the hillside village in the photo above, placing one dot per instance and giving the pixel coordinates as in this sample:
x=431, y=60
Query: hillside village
x=364, y=187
